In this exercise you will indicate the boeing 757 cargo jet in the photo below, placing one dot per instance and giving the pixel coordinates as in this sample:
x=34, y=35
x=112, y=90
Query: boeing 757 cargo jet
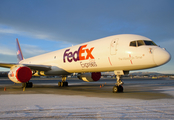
x=118, y=53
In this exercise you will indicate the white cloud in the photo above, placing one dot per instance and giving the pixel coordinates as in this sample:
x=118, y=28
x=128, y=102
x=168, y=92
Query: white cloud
x=31, y=50
x=8, y=31
x=41, y=36
x=33, y=34
x=7, y=51
x=11, y=31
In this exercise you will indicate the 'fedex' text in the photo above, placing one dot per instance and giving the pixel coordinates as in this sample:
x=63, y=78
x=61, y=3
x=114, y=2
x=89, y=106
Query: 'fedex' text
x=77, y=55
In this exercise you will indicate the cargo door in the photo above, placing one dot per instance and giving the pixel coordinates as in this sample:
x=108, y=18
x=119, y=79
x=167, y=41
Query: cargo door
x=113, y=46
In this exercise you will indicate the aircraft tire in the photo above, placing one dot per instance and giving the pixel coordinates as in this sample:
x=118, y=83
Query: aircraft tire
x=31, y=84
x=62, y=84
x=120, y=88
x=115, y=89
x=66, y=84
x=27, y=85
x=59, y=84
x=24, y=85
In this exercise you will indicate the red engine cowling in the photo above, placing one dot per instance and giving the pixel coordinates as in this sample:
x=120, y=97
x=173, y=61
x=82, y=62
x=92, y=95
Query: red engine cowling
x=20, y=74
x=90, y=77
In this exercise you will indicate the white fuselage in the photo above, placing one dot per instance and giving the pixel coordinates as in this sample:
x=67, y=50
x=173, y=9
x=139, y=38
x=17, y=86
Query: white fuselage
x=106, y=54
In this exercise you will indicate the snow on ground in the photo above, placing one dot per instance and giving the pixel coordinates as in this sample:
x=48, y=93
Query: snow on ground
x=49, y=106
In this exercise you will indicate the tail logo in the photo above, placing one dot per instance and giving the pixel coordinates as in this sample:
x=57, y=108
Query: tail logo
x=19, y=52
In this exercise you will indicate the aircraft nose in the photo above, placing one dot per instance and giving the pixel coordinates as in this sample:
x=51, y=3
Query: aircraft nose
x=161, y=56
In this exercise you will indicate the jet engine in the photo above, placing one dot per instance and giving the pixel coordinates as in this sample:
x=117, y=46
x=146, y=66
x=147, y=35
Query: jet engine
x=89, y=77
x=20, y=74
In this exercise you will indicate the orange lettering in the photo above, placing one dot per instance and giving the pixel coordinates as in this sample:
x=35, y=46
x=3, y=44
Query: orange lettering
x=80, y=53
x=89, y=55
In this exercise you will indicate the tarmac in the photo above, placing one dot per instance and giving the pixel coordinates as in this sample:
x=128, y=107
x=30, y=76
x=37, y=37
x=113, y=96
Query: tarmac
x=145, y=89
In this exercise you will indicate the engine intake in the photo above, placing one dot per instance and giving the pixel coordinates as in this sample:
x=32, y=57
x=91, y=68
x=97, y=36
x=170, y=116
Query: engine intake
x=20, y=74
x=90, y=77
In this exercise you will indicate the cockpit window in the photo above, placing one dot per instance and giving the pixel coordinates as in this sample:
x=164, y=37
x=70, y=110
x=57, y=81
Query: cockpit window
x=149, y=42
x=133, y=43
x=142, y=42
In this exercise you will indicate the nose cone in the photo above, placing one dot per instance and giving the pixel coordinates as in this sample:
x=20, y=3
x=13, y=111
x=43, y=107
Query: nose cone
x=161, y=56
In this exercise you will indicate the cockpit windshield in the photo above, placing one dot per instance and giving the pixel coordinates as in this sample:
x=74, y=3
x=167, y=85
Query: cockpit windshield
x=149, y=43
x=141, y=42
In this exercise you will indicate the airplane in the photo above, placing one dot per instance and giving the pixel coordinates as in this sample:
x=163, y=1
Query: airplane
x=119, y=53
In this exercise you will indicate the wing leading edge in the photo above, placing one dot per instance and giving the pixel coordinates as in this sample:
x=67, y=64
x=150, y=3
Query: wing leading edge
x=31, y=66
x=7, y=65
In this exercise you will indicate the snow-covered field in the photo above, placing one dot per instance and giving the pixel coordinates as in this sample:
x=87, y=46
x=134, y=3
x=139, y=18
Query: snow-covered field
x=49, y=106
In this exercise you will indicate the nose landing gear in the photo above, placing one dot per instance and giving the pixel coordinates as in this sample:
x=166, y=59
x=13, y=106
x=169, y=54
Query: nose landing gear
x=118, y=88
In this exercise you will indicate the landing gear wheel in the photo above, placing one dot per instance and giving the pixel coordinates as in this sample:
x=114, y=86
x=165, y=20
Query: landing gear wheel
x=62, y=84
x=24, y=85
x=117, y=89
x=59, y=84
x=120, y=88
x=27, y=85
x=66, y=84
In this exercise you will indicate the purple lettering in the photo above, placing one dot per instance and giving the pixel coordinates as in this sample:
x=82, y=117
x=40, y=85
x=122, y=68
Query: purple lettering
x=76, y=56
x=65, y=54
x=70, y=57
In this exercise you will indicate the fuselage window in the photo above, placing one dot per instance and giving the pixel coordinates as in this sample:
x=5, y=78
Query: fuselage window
x=133, y=43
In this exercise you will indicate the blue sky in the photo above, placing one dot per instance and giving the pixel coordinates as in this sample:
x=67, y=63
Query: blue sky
x=47, y=25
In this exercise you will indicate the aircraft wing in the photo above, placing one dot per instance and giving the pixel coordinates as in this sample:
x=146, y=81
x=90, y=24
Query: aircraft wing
x=7, y=65
x=38, y=67
x=31, y=66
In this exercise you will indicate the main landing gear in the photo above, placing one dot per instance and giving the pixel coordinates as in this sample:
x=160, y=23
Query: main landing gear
x=118, y=86
x=63, y=83
x=27, y=85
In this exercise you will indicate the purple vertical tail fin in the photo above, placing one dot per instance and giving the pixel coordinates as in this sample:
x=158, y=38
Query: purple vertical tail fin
x=19, y=52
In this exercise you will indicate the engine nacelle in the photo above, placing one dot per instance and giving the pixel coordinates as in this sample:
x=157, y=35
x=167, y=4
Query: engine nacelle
x=20, y=74
x=90, y=77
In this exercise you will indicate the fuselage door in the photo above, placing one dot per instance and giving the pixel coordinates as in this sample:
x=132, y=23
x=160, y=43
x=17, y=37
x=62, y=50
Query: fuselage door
x=113, y=46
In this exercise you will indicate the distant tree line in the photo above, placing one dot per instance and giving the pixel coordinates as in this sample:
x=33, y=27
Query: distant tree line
x=3, y=74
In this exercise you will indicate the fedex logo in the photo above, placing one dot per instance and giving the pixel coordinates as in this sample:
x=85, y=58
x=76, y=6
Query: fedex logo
x=78, y=55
